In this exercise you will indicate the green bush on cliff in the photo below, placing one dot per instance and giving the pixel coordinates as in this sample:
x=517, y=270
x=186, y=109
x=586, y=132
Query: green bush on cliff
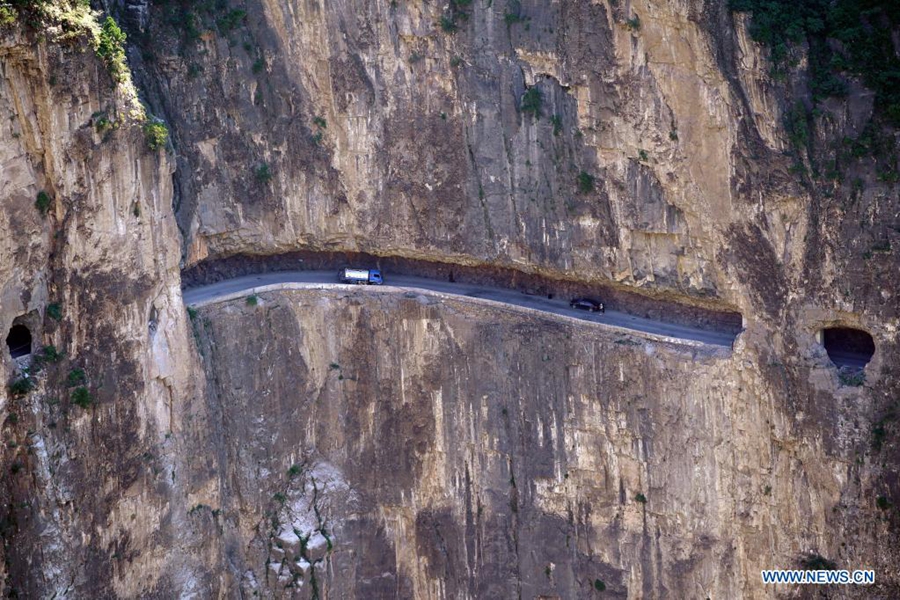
x=54, y=311
x=862, y=30
x=449, y=21
x=532, y=102
x=796, y=122
x=21, y=386
x=51, y=354
x=156, y=133
x=448, y=24
x=110, y=46
x=513, y=13
x=817, y=562
x=42, y=203
x=231, y=20
x=8, y=15
x=48, y=355
x=102, y=122
x=556, y=121
x=76, y=377
x=852, y=379
x=585, y=182
x=263, y=173
x=82, y=397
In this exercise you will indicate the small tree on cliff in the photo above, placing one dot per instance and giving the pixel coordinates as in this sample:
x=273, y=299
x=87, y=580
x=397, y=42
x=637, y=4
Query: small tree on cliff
x=532, y=101
x=157, y=134
x=111, y=48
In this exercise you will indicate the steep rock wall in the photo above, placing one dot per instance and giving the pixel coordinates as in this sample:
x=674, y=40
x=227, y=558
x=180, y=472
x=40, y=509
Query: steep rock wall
x=382, y=132
x=81, y=511
x=659, y=159
x=385, y=133
x=391, y=445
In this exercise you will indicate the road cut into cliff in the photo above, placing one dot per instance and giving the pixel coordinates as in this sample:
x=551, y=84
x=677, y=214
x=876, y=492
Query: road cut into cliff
x=250, y=285
x=702, y=323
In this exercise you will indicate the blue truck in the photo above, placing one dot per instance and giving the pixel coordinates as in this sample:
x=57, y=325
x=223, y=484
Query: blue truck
x=360, y=276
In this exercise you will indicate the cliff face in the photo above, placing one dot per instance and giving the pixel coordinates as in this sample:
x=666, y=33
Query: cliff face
x=392, y=445
x=388, y=446
x=639, y=143
x=370, y=112
x=95, y=280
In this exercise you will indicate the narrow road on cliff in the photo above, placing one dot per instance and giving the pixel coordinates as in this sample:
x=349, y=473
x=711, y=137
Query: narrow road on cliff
x=227, y=289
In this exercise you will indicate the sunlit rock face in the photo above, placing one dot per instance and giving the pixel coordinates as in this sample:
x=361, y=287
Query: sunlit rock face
x=366, y=446
x=641, y=145
x=92, y=272
x=555, y=137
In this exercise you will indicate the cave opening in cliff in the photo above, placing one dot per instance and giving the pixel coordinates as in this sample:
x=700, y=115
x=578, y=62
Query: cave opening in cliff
x=19, y=341
x=848, y=347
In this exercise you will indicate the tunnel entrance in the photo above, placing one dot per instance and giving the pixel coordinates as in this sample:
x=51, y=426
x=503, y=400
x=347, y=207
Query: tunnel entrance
x=19, y=341
x=848, y=347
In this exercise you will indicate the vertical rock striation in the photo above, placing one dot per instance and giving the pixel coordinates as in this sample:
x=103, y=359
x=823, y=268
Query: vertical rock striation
x=88, y=476
x=389, y=445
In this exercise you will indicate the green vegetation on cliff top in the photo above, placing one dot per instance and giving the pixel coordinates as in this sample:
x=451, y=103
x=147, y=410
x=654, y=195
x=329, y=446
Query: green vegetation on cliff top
x=60, y=19
x=844, y=37
x=64, y=20
x=110, y=46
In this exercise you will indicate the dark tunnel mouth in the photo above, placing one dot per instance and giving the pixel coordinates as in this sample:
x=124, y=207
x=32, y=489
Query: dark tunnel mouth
x=848, y=347
x=19, y=341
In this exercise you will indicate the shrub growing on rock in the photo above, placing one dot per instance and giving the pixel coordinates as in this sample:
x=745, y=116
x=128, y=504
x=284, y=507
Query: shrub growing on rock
x=76, y=377
x=21, y=386
x=157, y=134
x=851, y=377
x=448, y=24
x=817, y=562
x=532, y=101
x=556, y=121
x=8, y=15
x=111, y=48
x=54, y=311
x=585, y=182
x=263, y=173
x=42, y=203
x=82, y=397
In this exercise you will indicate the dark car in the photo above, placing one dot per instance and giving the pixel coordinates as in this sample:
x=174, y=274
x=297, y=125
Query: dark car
x=587, y=304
